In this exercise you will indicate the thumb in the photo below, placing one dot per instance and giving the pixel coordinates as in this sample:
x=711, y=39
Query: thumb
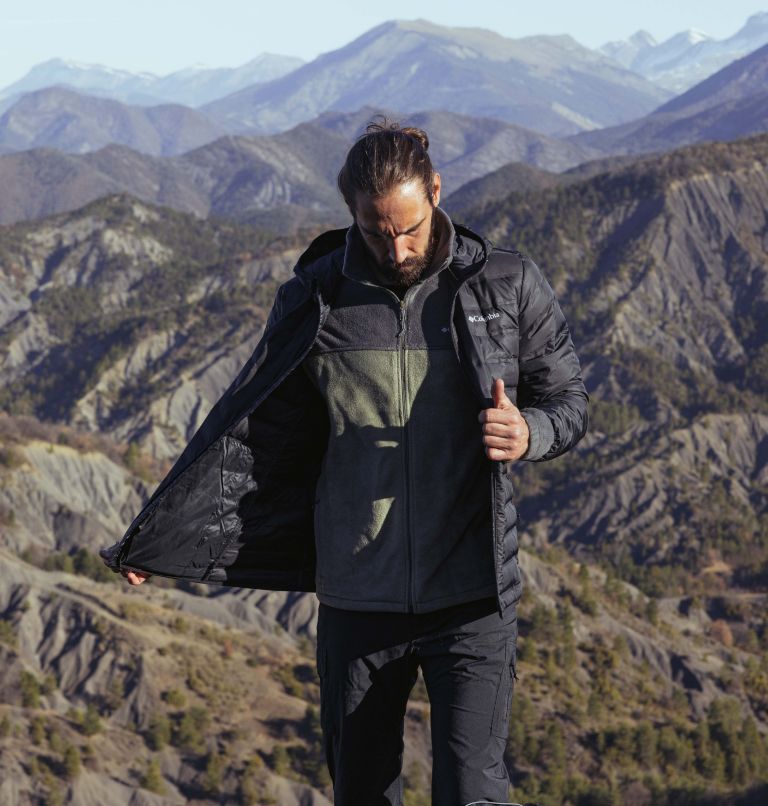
x=499, y=395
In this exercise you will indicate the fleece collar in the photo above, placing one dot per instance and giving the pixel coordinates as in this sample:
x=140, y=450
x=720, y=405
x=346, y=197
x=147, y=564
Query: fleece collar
x=468, y=250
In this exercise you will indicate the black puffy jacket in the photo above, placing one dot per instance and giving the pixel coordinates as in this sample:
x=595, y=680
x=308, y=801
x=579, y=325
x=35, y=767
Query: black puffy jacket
x=237, y=506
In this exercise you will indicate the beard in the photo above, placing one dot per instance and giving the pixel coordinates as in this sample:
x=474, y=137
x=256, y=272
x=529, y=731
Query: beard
x=402, y=276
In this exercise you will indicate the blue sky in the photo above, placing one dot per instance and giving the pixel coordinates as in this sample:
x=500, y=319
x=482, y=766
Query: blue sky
x=165, y=35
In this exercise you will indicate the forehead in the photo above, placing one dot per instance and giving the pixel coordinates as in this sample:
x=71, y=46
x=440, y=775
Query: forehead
x=401, y=209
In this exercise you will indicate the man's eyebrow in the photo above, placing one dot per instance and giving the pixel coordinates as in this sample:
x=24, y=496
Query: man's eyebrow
x=405, y=232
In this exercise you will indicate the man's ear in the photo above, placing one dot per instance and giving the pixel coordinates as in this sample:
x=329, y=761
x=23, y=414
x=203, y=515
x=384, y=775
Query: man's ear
x=436, y=190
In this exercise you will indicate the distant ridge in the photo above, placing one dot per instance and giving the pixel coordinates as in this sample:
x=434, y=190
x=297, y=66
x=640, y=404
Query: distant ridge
x=547, y=83
x=688, y=57
x=190, y=86
x=58, y=117
x=732, y=103
x=278, y=180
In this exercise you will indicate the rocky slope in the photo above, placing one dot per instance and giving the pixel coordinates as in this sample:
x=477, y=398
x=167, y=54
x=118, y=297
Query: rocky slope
x=643, y=656
x=108, y=306
x=662, y=267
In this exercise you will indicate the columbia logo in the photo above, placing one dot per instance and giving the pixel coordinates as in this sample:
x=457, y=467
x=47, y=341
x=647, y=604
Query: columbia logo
x=484, y=317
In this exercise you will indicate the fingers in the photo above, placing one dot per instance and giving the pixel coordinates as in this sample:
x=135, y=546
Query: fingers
x=506, y=416
x=135, y=577
x=498, y=455
x=514, y=430
x=499, y=395
x=505, y=443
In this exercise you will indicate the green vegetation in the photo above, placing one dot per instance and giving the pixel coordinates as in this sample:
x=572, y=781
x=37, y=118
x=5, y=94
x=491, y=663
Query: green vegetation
x=91, y=723
x=724, y=752
x=214, y=771
x=299, y=680
x=30, y=689
x=175, y=698
x=190, y=733
x=152, y=780
x=72, y=762
x=80, y=561
x=94, y=335
x=7, y=633
x=159, y=733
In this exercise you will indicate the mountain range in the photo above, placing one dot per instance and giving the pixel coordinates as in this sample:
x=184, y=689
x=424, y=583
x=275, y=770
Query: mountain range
x=57, y=117
x=731, y=103
x=290, y=173
x=191, y=86
x=688, y=57
x=550, y=84
x=137, y=268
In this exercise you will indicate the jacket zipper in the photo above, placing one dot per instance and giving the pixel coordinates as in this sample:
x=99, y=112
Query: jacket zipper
x=494, y=522
x=404, y=411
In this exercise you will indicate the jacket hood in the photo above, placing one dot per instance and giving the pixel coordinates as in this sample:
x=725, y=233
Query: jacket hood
x=470, y=250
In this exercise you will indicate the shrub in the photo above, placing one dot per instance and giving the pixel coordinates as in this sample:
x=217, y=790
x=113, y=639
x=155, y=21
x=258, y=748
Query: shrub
x=190, y=734
x=30, y=690
x=91, y=721
x=72, y=763
x=159, y=734
x=7, y=634
x=152, y=780
x=214, y=771
x=175, y=698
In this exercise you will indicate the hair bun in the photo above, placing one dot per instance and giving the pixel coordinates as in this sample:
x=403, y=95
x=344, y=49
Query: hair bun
x=381, y=123
x=417, y=134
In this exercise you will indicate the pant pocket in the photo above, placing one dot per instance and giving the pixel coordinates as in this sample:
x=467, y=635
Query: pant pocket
x=502, y=706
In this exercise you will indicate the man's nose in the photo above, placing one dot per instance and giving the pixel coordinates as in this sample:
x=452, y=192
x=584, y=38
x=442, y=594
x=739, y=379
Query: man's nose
x=398, y=251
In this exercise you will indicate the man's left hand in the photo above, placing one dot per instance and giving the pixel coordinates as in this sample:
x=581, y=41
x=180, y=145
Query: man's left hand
x=505, y=431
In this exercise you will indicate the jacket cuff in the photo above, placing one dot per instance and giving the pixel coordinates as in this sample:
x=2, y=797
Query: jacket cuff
x=541, y=436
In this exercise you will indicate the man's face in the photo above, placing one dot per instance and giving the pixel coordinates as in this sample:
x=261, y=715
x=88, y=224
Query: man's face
x=398, y=230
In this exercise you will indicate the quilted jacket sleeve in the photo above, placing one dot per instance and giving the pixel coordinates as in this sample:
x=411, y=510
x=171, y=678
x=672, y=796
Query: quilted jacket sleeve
x=551, y=393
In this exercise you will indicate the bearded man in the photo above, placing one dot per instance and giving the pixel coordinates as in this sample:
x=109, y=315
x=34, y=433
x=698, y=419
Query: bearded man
x=366, y=451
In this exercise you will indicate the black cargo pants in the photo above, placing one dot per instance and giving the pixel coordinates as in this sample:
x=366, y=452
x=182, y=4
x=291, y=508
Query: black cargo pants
x=368, y=664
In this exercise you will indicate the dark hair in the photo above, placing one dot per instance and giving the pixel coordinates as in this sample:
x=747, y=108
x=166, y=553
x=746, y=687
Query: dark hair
x=386, y=156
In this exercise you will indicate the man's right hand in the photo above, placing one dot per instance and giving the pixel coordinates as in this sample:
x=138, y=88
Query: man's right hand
x=135, y=577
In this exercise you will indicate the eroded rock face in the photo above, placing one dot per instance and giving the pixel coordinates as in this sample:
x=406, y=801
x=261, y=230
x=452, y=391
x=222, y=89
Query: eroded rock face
x=675, y=271
x=119, y=651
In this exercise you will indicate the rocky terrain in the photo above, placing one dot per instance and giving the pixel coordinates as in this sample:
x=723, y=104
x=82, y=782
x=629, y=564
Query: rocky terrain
x=662, y=267
x=643, y=657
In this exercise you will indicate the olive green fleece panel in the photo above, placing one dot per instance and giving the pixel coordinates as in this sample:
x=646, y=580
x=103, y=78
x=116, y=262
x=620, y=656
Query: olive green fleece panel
x=402, y=519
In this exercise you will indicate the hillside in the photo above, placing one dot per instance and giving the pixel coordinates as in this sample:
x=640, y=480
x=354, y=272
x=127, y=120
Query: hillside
x=464, y=148
x=643, y=651
x=728, y=105
x=74, y=122
x=278, y=181
x=127, y=319
x=662, y=269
